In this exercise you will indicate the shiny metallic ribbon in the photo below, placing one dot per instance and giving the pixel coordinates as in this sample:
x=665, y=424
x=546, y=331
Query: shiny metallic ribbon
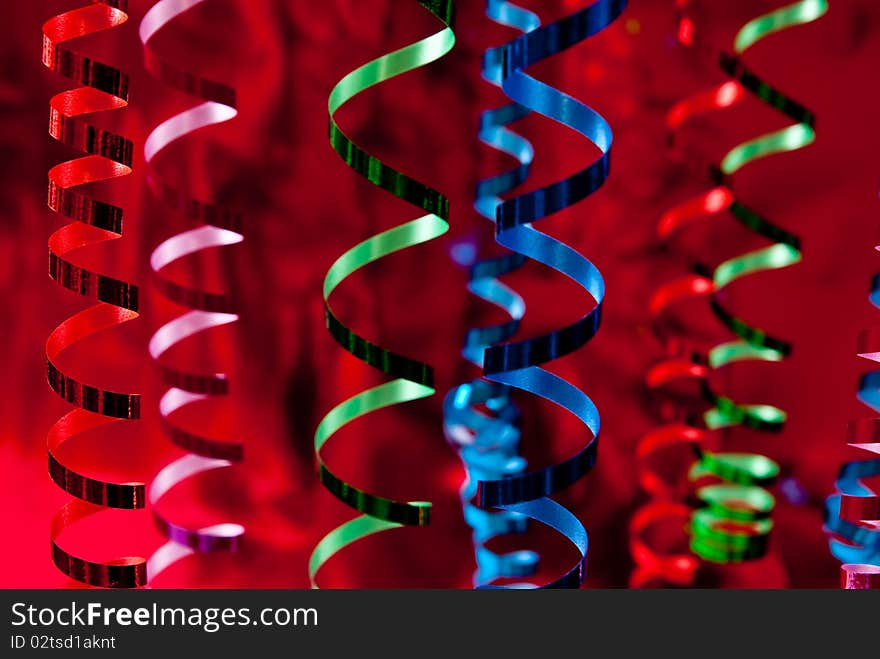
x=852, y=515
x=488, y=444
x=103, y=88
x=217, y=226
x=413, y=379
x=733, y=522
x=517, y=364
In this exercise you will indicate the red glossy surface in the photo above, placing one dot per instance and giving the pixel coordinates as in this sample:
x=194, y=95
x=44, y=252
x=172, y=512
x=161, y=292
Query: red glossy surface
x=303, y=208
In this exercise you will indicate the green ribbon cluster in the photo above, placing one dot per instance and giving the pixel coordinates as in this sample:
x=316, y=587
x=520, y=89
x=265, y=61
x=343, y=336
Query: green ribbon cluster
x=735, y=523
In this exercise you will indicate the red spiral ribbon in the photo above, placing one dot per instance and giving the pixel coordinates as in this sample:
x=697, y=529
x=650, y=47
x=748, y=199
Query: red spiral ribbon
x=852, y=513
x=103, y=88
x=217, y=226
x=666, y=501
x=859, y=576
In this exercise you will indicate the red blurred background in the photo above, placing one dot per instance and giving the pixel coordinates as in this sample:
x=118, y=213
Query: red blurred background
x=303, y=208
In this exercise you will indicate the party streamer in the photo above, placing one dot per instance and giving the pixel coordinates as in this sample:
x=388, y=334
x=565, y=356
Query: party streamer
x=217, y=226
x=488, y=445
x=109, y=156
x=852, y=515
x=413, y=379
x=517, y=364
x=733, y=521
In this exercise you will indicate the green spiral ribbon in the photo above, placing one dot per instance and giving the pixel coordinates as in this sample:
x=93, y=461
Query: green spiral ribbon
x=785, y=250
x=414, y=379
x=734, y=522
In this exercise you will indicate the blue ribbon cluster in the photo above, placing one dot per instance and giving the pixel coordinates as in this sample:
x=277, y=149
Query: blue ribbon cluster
x=517, y=364
x=862, y=543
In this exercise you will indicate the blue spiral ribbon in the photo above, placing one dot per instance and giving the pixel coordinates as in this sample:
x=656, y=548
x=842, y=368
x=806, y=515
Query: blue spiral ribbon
x=853, y=542
x=488, y=444
x=517, y=364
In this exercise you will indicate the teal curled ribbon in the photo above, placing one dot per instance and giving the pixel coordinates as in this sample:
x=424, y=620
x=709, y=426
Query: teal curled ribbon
x=413, y=379
x=488, y=444
x=517, y=364
x=852, y=515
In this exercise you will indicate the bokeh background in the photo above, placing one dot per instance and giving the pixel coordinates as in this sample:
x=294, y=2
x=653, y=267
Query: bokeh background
x=303, y=208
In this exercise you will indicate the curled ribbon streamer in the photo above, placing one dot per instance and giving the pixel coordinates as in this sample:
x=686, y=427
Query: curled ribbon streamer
x=651, y=564
x=218, y=227
x=104, y=88
x=859, y=577
x=734, y=522
x=517, y=364
x=488, y=445
x=852, y=515
x=745, y=471
x=414, y=379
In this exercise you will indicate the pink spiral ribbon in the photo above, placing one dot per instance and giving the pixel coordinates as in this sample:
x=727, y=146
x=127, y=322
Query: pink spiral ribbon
x=218, y=227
